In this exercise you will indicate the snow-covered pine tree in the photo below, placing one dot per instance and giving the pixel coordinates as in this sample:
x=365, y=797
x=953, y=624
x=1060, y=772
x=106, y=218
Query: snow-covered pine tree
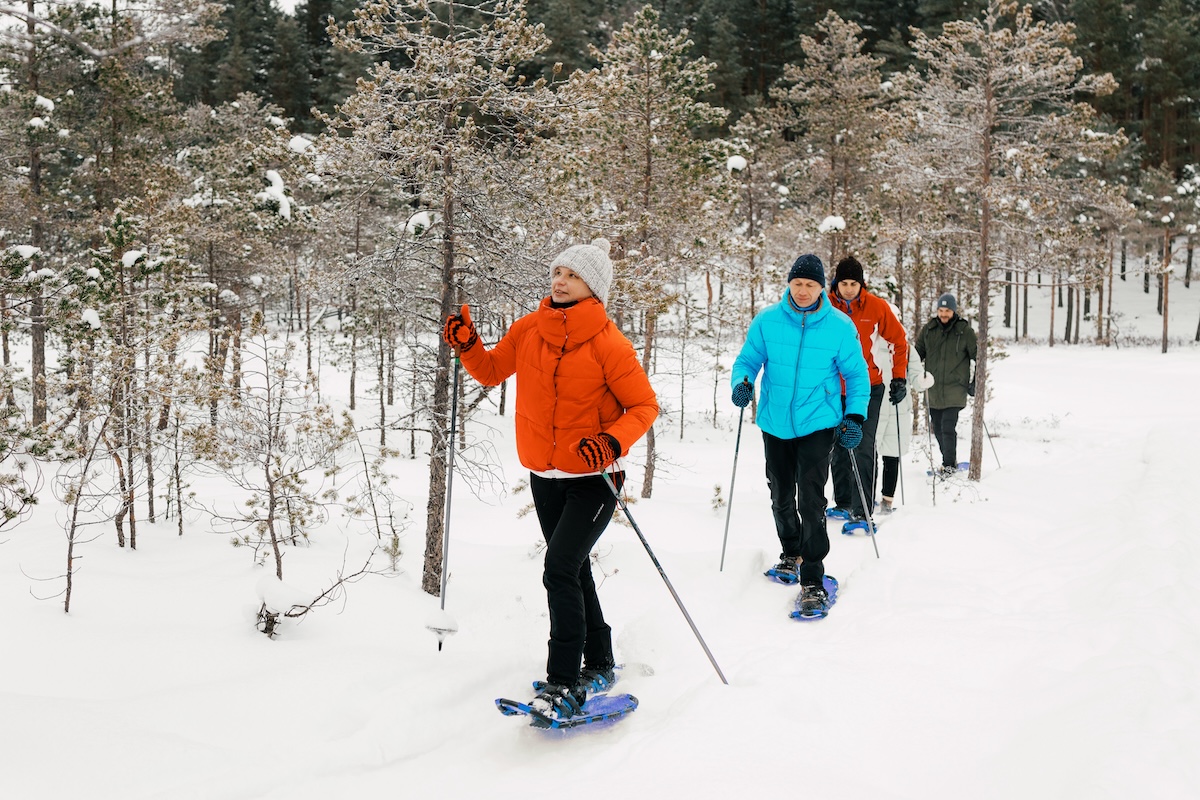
x=71, y=53
x=763, y=220
x=235, y=202
x=832, y=102
x=638, y=171
x=998, y=106
x=277, y=445
x=440, y=123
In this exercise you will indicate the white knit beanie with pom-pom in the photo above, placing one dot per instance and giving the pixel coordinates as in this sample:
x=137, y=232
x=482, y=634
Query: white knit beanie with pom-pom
x=590, y=262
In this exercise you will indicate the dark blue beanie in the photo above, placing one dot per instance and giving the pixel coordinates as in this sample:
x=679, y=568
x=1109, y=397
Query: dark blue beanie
x=808, y=266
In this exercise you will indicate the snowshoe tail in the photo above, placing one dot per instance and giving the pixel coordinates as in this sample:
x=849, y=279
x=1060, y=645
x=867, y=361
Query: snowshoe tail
x=787, y=577
x=851, y=528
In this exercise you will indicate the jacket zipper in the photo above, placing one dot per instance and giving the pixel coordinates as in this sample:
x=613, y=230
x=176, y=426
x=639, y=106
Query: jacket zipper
x=799, y=361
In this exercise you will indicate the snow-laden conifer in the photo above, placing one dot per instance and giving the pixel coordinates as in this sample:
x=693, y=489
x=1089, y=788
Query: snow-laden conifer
x=636, y=169
x=996, y=113
x=441, y=124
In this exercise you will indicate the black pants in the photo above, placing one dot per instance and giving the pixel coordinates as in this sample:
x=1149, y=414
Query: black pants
x=845, y=490
x=573, y=512
x=891, y=474
x=799, y=468
x=945, y=430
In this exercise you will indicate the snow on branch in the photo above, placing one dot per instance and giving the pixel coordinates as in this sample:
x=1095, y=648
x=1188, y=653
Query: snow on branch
x=181, y=20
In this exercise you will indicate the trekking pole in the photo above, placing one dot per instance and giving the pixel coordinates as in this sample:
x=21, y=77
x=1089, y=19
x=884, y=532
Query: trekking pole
x=729, y=505
x=862, y=496
x=621, y=502
x=993, y=444
x=442, y=624
x=929, y=441
x=900, y=456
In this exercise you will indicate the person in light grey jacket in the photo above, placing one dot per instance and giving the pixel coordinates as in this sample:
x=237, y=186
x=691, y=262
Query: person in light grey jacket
x=892, y=439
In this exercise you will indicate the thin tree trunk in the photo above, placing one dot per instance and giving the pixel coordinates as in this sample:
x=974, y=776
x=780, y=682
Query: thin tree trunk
x=412, y=405
x=1108, y=308
x=683, y=337
x=235, y=357
x=391, y=366
x=381, y=375
x=1146, y=271
x=1070, y=311
x=435, y=509
x=1187, y=272
x=1078, y=315
x=37, y=308
x=10, y=399
x=651, y=450
x=985, y=290
x=146, y=411
x=1052, y=287
x=178, y=472
x=1164, y=283
x=1008, y=299
x=353, y=347
x=1025, y=309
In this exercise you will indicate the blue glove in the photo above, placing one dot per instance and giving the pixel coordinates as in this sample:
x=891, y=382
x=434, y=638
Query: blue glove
x=849, y=432
x=743, y=393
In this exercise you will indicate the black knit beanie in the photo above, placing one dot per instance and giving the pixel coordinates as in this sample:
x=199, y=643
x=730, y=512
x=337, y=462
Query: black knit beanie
x=848, y=269
x=808, y=266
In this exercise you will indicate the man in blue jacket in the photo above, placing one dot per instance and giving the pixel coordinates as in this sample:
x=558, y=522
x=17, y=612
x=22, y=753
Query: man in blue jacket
x=805, y=349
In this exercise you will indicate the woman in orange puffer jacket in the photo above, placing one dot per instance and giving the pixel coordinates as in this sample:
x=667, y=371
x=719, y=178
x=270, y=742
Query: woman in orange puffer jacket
x=582, y=400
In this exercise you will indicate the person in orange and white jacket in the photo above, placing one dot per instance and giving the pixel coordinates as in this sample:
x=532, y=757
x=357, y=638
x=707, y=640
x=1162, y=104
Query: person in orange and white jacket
x=874, y=319
x=582, y=399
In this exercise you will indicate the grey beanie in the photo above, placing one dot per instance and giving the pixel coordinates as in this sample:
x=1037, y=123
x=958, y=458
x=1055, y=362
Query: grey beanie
x=590, y=262
x=947, y=301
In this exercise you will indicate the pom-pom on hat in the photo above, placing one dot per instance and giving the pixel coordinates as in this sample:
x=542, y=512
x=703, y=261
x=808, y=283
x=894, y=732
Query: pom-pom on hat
x=848, y=269
x=590, y=262
x=808, y=266
x=947, y=301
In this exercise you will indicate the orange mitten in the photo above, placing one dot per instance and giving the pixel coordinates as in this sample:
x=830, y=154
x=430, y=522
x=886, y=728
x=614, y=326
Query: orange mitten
x=459, y=332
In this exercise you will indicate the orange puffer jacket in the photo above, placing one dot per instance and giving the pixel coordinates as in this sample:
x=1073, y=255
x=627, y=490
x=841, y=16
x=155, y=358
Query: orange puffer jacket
x=875, y=320
x=577, y=376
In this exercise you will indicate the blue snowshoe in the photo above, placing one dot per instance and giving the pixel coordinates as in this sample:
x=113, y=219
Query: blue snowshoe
x=563, y=707
x=814, y=602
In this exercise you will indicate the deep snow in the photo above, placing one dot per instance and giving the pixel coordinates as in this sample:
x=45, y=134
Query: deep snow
x=1032, y=635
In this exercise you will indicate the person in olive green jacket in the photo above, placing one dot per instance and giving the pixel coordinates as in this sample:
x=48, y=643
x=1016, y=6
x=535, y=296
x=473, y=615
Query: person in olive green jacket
x=947, y=346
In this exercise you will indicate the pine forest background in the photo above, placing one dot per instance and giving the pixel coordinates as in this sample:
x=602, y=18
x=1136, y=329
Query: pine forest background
x=208, y=205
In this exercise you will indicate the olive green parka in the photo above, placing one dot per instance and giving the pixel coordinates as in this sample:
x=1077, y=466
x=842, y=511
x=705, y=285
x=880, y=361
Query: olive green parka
x=947, y=351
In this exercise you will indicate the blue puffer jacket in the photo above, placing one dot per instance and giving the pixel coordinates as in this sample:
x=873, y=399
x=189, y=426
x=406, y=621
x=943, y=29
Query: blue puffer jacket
x=804, y=356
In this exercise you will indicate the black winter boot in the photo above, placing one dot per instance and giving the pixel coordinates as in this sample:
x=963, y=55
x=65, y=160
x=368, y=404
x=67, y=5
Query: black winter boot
x=560, y=701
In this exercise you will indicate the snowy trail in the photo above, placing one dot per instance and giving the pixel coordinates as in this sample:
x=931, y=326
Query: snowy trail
x=1033, y=635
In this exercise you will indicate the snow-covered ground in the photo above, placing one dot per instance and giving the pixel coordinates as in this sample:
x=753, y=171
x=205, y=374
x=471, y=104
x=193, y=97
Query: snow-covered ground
x=1033, y=635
